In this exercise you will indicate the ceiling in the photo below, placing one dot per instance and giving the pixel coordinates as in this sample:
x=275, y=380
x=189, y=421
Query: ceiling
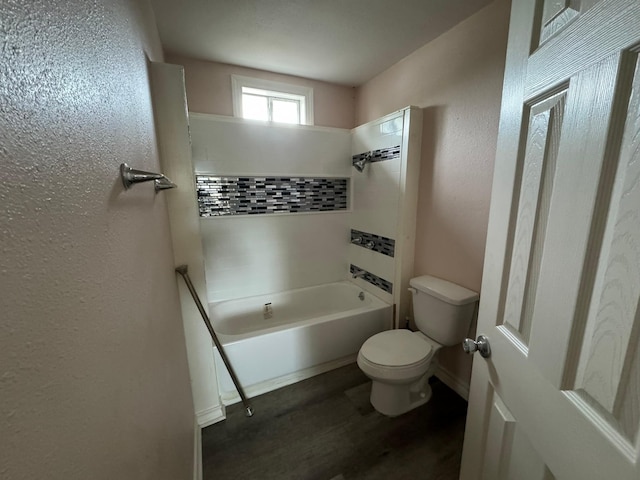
x=340, y=41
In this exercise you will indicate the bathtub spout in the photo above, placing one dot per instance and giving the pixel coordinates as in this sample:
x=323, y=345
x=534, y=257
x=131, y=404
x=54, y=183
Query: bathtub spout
x=359, y=274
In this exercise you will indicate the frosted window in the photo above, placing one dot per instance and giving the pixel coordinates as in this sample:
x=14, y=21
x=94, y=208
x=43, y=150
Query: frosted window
x=271, y=106
x=269, y=101
x=286, y=111
x=255, y=107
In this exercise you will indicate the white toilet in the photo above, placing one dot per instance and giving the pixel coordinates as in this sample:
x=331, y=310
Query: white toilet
x=400, y=362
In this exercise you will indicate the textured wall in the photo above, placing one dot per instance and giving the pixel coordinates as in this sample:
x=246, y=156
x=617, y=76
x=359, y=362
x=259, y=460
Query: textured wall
x=93, y=373
x=209, y=91
x=457, y=80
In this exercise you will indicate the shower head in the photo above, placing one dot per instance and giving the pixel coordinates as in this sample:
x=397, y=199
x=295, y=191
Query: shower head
x=359, y=164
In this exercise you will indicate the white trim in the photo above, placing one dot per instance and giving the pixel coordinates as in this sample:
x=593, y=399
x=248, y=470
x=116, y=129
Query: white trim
x=454, y=383
x=211, y=415
x=229, y=398
x=239, y=81
x=197, y=451
x=387, y=117
x=226, y=118
x=174, y=149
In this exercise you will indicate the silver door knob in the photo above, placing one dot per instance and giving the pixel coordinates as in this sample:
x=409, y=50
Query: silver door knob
x=480, y=345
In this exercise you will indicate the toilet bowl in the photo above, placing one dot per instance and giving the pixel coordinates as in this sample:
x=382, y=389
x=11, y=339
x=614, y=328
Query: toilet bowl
x=400, y=362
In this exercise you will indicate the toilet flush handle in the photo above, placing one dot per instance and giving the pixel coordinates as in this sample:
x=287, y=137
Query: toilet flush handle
x=412, y=290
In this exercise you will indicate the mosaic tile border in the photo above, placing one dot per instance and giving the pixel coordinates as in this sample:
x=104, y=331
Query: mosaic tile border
x=380, y=155
x=381, y=283
x=234, y=195
x=384, y=245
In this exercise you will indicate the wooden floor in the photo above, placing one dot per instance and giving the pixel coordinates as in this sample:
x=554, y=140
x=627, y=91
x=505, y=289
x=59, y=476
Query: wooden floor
x=324, y=428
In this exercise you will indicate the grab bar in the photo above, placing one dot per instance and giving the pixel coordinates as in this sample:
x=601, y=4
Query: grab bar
x=183, y=270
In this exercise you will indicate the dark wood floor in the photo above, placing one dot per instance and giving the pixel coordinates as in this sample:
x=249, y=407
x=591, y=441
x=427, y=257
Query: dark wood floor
x=324, y=428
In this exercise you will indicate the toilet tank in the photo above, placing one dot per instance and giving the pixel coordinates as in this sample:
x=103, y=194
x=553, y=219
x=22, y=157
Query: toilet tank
x=442, y=310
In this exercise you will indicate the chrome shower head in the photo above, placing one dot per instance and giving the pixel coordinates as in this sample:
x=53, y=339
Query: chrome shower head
x=359, y=164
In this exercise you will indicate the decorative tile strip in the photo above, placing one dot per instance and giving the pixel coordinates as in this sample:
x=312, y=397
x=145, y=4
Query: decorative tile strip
x=219, y=195
x=377, y=243
x=378, y=155
x=385, y=154
x=381, y=283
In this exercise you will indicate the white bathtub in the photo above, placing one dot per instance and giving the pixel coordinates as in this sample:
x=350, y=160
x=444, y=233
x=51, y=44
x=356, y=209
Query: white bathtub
x=312, y=330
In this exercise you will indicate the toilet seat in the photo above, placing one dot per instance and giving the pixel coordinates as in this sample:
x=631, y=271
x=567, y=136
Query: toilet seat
x=395, y=355
x=396, y=348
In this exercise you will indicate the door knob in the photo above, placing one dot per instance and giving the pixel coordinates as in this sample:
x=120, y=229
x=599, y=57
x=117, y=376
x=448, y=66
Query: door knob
x=480, y=345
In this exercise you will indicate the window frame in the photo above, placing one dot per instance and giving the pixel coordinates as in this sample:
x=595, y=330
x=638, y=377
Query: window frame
x=306, y=102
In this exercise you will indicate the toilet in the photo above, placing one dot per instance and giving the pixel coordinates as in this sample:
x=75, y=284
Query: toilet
x=400, y=362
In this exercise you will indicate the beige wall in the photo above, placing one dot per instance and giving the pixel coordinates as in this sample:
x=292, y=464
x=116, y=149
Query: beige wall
x=209, y=91
x=93, y=372
x=457, y=80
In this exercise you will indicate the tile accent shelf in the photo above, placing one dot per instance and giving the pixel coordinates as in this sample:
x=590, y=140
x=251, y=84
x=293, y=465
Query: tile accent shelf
x=380, y=155
x=383, y=245
x=379, y=282
x=226, y=195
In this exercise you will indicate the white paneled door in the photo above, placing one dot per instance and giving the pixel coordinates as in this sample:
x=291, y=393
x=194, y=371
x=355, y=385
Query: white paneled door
x=559, y=398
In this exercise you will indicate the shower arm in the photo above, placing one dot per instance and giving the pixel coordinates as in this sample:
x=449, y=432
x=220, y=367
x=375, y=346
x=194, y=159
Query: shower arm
x=183, y=270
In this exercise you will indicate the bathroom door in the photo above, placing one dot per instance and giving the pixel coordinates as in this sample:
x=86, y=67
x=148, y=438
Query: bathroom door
x=559, y=397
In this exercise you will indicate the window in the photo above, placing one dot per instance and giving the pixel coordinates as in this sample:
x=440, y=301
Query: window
x=269, y=101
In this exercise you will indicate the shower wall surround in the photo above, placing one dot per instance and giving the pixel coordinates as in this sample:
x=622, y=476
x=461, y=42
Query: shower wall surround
x=280, y=205
x=384, y=205
x=278, y=169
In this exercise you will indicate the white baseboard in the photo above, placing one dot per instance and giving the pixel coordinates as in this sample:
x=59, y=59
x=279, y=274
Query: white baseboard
x=459, y=386
x=229, y=398
x=197, y=451
x=211, y=415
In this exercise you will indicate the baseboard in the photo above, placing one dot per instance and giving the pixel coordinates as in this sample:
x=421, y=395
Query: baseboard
x=197, y=451
x=454, y=383
x=210, y=416
x=229, y=398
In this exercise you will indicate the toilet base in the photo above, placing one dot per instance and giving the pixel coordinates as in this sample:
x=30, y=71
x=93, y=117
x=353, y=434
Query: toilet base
x=395, y=399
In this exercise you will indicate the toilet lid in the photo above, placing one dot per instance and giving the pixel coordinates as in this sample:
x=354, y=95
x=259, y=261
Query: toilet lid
x=395, y=348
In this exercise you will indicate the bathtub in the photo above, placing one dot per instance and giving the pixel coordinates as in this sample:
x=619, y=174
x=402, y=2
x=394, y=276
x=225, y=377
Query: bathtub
x=311, y=330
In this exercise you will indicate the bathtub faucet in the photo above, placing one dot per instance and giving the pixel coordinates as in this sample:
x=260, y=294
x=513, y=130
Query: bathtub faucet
x=359, y=274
